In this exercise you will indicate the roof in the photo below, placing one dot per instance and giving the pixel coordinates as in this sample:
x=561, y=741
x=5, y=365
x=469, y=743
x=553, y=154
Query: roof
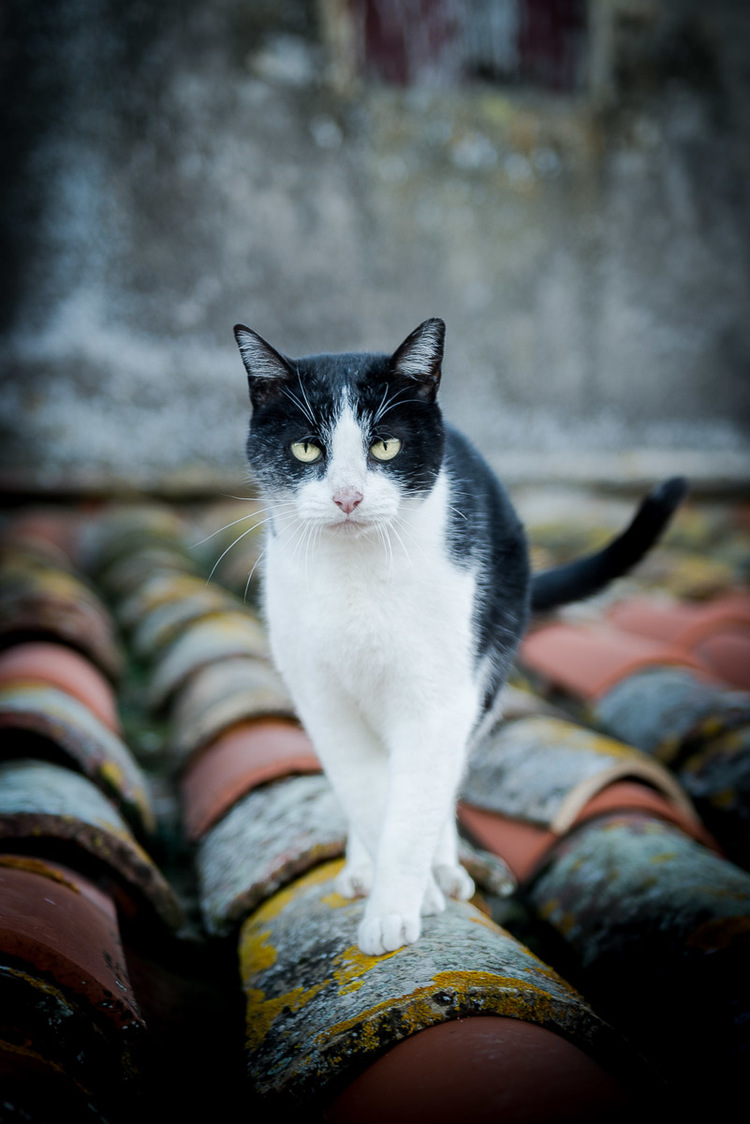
x=170, y=935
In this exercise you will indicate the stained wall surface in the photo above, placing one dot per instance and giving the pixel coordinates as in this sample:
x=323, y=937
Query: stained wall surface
x=176, y=168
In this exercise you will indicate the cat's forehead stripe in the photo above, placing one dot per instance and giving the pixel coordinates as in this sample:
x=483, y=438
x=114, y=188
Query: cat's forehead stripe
x=347, y=439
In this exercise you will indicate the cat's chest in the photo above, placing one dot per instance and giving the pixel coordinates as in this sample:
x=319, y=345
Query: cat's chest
x=369, y=606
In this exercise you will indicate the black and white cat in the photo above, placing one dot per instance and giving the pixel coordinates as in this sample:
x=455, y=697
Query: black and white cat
x=397, y=588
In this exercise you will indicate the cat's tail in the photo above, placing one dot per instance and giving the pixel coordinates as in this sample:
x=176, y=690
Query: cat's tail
x=574, y=581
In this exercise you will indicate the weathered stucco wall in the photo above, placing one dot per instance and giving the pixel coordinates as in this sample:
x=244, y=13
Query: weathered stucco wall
x=182, y=166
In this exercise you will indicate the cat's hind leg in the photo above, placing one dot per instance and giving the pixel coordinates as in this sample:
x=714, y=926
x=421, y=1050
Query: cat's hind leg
x=433, y=900
x=355, y=879
x=450, y=876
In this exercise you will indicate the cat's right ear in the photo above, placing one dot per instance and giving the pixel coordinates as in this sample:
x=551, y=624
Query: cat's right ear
x=420, y=358
x=268, y=372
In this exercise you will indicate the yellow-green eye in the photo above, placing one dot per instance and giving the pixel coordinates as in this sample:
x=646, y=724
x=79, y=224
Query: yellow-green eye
x=306, y=452
x=385, y=450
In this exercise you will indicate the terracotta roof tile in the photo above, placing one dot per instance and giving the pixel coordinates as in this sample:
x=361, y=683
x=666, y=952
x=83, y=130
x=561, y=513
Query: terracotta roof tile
x=619, y=848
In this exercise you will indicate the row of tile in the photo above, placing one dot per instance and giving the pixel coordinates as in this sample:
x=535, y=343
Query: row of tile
x=577, y=822
x=711, y=639
x=268, y=839
x=637, y=674
x=75, y=824
x=540, y=782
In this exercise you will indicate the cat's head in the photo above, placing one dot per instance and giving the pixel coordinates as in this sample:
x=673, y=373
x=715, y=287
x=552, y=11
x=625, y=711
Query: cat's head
x=345, y=440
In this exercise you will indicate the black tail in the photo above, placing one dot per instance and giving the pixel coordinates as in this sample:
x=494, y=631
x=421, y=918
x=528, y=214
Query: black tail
x=586, y=576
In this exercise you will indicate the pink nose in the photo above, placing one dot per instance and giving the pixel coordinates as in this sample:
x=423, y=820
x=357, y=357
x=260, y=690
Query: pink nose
x=347, y=499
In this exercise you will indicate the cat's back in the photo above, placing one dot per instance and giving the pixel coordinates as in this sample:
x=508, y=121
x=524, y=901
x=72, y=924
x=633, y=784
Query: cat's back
x=485, y=533
x=482, y=517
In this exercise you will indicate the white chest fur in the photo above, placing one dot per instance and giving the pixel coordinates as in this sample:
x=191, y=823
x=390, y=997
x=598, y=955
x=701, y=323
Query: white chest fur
x=382, y=613
x=371, y=625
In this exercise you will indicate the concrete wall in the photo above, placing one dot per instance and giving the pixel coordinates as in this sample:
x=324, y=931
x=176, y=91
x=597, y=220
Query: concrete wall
x=177, y=167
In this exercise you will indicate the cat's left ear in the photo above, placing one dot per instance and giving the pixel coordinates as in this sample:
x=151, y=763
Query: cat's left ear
x=420, y=357
x=268, y=372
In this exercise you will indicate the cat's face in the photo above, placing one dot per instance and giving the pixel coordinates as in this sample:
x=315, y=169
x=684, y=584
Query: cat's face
x=342, y=442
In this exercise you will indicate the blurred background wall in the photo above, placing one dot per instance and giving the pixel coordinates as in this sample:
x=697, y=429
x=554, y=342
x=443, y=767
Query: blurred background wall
x=563, y=181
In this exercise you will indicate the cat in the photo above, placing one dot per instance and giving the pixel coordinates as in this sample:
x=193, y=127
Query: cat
x=397, y=588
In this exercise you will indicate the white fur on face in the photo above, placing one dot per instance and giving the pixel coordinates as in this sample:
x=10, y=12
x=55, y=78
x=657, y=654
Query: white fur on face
x=374, y=639
x=347, y=471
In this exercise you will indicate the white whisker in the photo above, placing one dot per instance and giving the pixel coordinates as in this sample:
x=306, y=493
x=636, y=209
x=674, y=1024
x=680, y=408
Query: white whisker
x=403, y=544
x=238, y=539
x=406, y=529
x=242, y=518
x=250, y=575
x=386, y=539
x=391, y=404
x=300, y=406
x=300, y=533
x=311, y=414
x=310, y=532
x=374, y=418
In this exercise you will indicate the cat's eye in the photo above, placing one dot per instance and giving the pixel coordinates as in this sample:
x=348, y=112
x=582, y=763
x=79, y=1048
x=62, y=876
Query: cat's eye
x=385, y=450
x=306, y=452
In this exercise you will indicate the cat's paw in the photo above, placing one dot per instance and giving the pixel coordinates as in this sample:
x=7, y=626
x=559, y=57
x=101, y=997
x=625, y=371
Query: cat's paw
x=454, y=881
x=387, y=932
x=433, y=900
x=355, y=880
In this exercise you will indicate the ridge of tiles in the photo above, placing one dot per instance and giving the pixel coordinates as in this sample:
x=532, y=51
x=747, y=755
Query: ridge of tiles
x=179, y=677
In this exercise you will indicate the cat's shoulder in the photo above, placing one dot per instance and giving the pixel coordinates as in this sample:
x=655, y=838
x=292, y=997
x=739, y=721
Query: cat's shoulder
x=481, y=516
x=467, y=467
x=462, y=456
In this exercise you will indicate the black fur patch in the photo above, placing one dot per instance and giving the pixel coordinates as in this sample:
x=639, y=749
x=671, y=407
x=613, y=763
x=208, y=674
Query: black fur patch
x=394, y=396
x=485, y=533
x=306, y=404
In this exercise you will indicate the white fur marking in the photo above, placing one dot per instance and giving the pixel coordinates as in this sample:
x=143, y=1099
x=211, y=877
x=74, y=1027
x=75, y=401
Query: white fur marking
x=373, y=636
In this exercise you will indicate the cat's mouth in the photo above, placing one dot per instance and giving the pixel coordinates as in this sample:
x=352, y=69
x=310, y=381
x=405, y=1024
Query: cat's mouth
x=350, y=526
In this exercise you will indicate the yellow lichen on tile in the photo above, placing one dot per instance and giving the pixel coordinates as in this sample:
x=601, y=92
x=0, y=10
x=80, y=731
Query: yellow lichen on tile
x=37, y=866
x=548, y=908
x=257, y=954
x=261, y=1013
x=417, y=1011
x=335, y=900
x=353, y=964
x=485, y=919
x=665, y=857
x=718, y=933
x=24, y=1051
x=112, y=773
x=37, y=983
x=553, y=912
x=490, y=993
x=280, y=900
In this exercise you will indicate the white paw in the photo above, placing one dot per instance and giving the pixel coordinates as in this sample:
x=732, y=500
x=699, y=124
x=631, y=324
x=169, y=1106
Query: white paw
x=433, y=900
x=355, y=880
x=387, y=932
x=454, y=881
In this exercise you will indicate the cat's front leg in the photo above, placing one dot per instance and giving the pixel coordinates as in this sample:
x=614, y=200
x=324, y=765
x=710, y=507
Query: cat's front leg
x=356, y=877
x=425, y=768
x=355, y=764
